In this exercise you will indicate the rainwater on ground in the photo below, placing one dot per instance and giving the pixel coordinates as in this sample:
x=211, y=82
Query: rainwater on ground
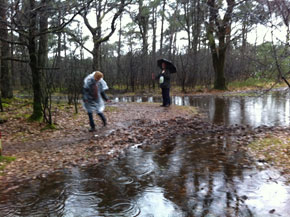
x=182, y=176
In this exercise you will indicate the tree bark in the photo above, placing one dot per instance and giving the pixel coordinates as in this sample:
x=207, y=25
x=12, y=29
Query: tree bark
x=220, y=30
x=153, y=60
x=98, y=38
x=42, y=62
x=6, y=75
x=142, y=20
x=162, y=28
x=36, y=75
x=119, y=68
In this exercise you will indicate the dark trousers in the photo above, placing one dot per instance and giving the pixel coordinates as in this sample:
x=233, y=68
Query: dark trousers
x=91, y=118
x=165, y=96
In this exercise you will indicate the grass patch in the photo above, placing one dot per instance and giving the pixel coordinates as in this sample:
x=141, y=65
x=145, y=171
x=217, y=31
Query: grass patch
x=5, y=105
x=190, y=109
x=8, y=101
x=250, y=82
x=63, y=106
x=15, y=104
x=32, y=119
x=49, y=127
x=273, y=149
x=4, y=161
x=22, y=115
x=253, y=83
x=3, y=118
x=112, y=109
x=15, y=100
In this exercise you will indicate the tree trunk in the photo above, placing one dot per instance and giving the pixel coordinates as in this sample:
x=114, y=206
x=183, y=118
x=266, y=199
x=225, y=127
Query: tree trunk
x=102, y=9
x=1, y=106
x=36, y=78
x=196, y=28
x=142, y=20
x=222, y=30
x=219, y=62
x=42, y=61
x=43, y=39
x=162, y=27
x=6, y=76
x=119, y=68
x=36, y=75
x=96, y=58
x=153, y=60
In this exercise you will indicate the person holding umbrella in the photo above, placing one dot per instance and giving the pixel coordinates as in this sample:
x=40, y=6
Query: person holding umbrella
x=164, y=79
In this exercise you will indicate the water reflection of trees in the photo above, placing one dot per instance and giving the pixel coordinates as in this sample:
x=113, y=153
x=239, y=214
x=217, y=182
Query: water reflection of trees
x=268, y=109
x=219, y=111
x=204, y=167
x=200, y=175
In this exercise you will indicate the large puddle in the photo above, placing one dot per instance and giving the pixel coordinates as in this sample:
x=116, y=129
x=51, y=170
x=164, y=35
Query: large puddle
x=271, y=109
x=184, y=176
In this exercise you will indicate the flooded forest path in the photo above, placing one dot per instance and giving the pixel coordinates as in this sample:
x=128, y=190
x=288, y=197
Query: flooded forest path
x=175, y=163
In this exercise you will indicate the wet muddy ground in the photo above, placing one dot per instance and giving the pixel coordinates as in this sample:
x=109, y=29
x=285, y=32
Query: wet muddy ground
x=175, y=164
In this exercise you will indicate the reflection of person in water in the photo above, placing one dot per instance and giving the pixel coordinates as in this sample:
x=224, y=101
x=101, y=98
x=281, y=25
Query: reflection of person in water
x=164, y=83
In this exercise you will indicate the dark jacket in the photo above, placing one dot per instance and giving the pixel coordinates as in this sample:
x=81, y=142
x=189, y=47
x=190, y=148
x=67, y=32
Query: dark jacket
x=166, y=81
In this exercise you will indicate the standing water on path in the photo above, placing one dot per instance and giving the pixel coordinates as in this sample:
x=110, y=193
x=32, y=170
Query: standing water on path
x=182, y=176
x=272, y=109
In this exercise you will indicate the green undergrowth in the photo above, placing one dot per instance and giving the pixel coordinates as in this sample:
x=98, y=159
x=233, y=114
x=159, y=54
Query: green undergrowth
x=49, y=127
x=15, y=108
x=253, y=83
x=248, y=84
x=4, y=161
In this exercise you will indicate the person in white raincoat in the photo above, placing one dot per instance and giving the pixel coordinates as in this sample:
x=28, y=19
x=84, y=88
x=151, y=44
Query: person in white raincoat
x=94, y=96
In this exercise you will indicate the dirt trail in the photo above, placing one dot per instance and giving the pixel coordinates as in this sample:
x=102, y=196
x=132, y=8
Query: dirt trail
x=39, y=152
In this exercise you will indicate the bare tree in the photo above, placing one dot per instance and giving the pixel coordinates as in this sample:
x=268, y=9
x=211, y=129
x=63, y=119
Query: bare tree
x=184, y=69
x=282, y=10
x=153, y=22
x=162, y=12
x=102, y=9
x=6, y=76
x=30, y=21
x=142, y=20
x=278, y=11
x=219, y=29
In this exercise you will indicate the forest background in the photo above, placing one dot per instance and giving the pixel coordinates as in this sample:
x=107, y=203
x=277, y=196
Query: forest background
x=49, y=46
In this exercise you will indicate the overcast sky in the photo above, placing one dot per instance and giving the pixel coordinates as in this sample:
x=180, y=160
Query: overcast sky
x=259, y=34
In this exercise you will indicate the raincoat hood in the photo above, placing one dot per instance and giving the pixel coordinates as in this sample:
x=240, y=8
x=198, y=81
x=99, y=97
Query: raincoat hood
x=89, y=80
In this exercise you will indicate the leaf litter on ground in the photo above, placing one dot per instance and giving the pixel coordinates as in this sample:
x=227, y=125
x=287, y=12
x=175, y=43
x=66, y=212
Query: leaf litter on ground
x=40, y=152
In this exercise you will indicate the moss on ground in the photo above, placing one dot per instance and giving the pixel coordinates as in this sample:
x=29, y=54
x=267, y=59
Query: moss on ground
x=274, y=149
x=4, y=160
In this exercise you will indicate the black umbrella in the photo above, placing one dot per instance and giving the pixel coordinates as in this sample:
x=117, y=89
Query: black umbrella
x=169, y=65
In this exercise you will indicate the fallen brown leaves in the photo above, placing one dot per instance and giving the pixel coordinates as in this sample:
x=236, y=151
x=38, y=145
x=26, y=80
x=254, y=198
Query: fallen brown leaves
x=39, y=152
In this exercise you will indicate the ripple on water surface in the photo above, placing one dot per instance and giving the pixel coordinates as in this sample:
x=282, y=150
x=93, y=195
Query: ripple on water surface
x=32, y=204
x=123, y=207
x=124, y=180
